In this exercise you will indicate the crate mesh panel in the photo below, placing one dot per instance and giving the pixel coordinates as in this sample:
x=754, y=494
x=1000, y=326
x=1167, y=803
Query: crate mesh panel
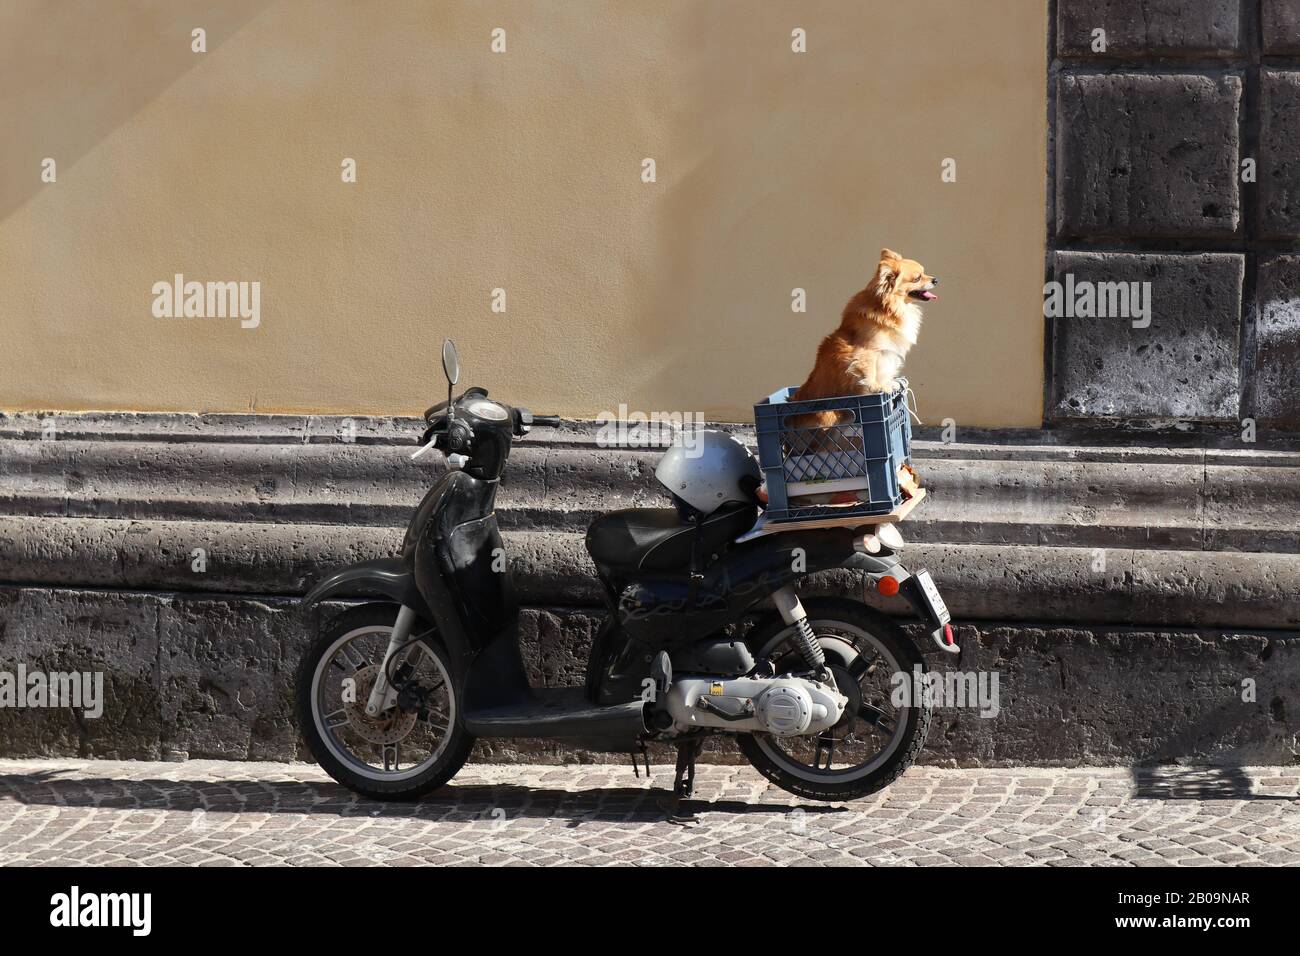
x=822, y=453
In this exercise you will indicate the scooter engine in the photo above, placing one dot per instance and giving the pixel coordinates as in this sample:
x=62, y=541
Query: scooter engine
x=782, y=706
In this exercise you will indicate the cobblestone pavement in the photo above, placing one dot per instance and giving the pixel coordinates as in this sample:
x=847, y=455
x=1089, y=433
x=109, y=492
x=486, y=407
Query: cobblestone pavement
x=229, y=814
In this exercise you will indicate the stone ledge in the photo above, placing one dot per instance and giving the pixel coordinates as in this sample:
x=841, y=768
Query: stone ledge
x=1188, y=498
x=1010, y=529
x=212, y=677
x=1169, y=442
x=1033, y=583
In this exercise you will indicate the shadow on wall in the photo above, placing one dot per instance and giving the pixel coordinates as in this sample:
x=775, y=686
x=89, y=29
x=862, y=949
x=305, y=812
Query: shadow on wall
x=143, y=47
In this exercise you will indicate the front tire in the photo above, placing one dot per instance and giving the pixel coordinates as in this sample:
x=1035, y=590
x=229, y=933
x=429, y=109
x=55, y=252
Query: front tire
x=848, y=631
x=345, y=742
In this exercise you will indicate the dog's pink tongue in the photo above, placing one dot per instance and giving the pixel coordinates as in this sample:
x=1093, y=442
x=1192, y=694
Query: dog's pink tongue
x=927, y=295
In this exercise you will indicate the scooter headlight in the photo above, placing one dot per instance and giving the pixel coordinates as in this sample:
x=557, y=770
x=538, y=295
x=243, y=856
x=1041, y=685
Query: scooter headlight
x=487, y=410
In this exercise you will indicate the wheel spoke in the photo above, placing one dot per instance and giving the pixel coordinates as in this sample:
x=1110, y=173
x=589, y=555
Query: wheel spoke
x=870, y=713
x=351, y=656
x=861, y=666
x=881, y=723
x=410, y=657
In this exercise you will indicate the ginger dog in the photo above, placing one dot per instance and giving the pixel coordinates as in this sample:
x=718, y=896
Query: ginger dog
x=879, y=325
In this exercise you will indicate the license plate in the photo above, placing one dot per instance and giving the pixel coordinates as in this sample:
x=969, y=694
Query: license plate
x=932, y=597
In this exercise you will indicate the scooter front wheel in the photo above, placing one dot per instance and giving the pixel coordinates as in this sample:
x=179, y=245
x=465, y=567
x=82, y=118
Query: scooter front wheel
x=412, y=747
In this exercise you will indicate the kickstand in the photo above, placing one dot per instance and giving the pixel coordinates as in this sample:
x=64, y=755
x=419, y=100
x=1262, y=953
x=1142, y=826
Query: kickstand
x=644, y=753
x=683, y=779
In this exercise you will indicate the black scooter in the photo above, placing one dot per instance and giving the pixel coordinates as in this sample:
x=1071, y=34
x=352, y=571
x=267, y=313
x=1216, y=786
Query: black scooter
x=706, y=635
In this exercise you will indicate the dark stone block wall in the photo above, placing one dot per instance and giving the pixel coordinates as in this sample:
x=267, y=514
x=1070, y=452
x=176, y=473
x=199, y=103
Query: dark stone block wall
x=1184, y=365
x=1146, y=27
x=1147, y=156
x=1282, y=27
x=1148, y=140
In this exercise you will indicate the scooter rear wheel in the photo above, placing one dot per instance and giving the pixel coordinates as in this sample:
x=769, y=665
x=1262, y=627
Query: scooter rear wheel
x=364, y=753
x=876, y=741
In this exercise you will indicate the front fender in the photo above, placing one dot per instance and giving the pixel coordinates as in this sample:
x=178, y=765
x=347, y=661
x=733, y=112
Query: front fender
x=386, y=577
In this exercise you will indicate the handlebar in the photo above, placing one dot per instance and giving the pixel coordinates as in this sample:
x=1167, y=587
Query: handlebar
x=526, y=420
x=451, y=435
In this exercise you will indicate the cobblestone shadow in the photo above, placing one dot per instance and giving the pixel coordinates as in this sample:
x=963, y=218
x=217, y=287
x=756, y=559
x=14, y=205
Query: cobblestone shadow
x=464, y=802
x=1196, y=783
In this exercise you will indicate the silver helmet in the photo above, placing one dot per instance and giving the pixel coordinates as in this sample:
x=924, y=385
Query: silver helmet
x=706, y=470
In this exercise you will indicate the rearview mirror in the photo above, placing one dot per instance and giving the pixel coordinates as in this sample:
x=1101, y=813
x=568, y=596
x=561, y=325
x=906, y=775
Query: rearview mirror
x=450, y=361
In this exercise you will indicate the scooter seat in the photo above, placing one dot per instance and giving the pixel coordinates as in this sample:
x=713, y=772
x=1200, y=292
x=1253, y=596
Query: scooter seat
x=660, y=539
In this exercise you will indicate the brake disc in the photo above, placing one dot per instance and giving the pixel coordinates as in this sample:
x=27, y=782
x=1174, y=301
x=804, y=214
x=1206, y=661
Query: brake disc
x=390, y=727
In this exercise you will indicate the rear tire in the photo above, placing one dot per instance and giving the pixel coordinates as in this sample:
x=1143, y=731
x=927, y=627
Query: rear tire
x=914, y=722
x=374, y=619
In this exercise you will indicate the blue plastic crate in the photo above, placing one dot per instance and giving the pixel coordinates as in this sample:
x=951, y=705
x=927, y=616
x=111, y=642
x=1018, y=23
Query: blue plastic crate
x=862, y=453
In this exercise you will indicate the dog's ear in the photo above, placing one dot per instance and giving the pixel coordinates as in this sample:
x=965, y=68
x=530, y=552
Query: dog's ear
x=888, y=254
x=887, y=274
